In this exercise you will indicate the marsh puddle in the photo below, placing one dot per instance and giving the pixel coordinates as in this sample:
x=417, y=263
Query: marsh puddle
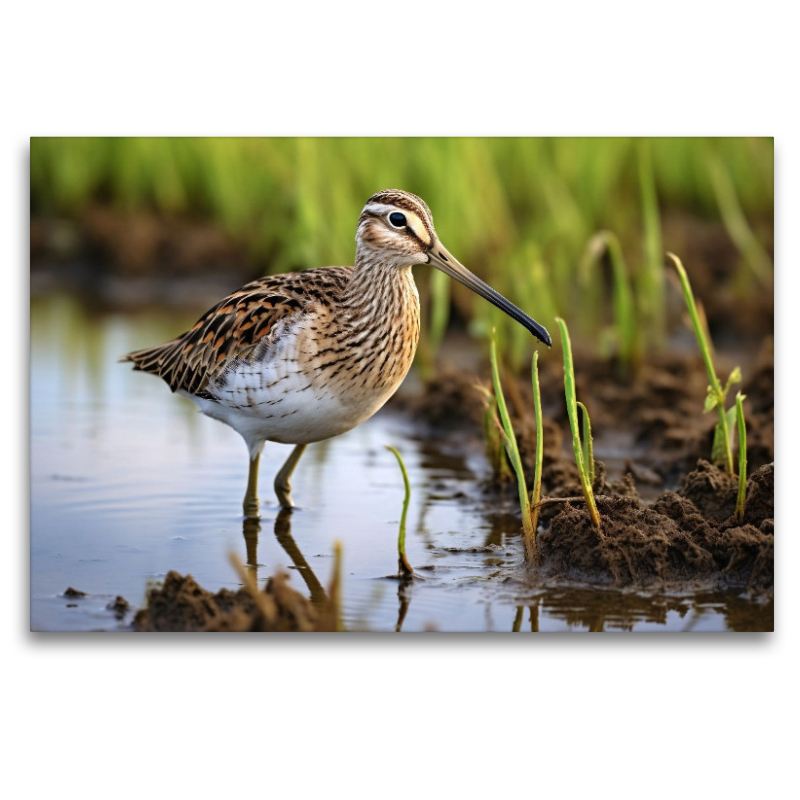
x=129, y=482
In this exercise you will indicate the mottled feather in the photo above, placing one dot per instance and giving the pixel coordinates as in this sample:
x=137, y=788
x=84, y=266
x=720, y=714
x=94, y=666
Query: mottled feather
x=237, y=326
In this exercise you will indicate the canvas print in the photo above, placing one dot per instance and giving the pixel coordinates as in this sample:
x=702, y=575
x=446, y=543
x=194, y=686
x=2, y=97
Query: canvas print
x=402, y=384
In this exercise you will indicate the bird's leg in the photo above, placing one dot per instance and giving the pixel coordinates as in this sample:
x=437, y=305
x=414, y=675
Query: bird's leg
x=251, y=505
x=283, y=486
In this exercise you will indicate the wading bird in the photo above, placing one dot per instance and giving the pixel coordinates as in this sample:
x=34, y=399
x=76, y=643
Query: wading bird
x=301, y=357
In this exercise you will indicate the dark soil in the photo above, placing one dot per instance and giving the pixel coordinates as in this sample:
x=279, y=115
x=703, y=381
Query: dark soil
x=182, y=605
x=688, y=536
x=661, y=407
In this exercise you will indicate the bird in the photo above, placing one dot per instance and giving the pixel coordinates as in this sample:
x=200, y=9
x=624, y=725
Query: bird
x=304, y=356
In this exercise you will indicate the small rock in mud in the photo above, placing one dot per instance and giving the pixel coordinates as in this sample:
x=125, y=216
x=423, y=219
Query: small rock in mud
x=182, y=605
x=72, y=593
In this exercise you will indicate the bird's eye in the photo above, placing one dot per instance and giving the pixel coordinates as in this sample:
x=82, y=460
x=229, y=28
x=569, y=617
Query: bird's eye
x=397, y=219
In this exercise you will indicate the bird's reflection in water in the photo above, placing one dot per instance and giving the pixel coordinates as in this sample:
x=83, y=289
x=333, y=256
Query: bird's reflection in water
x=533, y=609
x=283, y=533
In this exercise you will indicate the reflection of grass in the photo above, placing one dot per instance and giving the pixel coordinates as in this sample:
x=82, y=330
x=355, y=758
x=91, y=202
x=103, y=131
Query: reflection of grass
x=516, y=211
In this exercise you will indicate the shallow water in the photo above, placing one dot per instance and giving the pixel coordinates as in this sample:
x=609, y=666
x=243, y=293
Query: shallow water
x=129, y=482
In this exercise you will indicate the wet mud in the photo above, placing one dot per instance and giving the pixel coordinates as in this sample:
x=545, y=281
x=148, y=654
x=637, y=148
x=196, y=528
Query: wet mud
x=181, y=604
x=686, y=537
x=667, y=514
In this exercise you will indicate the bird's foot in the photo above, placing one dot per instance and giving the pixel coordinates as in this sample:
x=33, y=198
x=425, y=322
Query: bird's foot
x=251, y=507
x=284, y=494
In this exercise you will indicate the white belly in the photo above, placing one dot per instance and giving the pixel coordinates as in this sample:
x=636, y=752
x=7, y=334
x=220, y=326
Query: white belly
x=275, y=400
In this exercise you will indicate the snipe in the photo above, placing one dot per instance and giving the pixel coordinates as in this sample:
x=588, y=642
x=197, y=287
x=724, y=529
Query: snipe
x=302, y=357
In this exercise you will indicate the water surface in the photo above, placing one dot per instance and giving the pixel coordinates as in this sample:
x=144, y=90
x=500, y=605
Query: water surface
x=129, y=481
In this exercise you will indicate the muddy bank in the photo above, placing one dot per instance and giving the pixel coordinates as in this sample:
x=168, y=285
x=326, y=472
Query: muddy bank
x=181, y=604
x=686, y=534
x=689, y=536
x=657, y=409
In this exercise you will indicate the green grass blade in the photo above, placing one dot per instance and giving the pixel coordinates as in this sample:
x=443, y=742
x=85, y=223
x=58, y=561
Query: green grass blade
x=536, y=494
x=741, y=494
x=736, y=224
x=627, y=330
x=511, y=444
x=652, y=296
x=586, y=441
x=403, y=566
x=572, y=413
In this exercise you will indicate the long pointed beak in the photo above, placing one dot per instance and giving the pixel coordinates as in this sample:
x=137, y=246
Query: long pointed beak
x=441, y=259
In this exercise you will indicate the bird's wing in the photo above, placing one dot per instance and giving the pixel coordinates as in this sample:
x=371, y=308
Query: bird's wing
x=233, y=328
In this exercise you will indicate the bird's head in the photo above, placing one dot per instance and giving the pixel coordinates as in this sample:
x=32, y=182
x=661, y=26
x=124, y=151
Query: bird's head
x=396, y=229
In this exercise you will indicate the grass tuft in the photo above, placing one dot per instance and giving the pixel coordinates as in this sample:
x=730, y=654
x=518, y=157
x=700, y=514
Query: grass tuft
x=572, y=412
x=510, y=441
x=721, y=452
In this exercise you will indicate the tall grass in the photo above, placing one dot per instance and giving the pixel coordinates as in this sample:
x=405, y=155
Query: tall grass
x=516, y=211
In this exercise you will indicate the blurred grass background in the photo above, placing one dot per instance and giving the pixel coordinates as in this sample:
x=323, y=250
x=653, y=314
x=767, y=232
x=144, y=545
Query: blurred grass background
x=520, y=212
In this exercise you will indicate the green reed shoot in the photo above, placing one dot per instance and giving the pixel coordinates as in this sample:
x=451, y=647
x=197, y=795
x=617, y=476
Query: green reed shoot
x=403, y=567
x=510, y=440
x=651, y=283
x=572, y=412
x=536, y=494
x=721, y=452
x=736, y=223
x=626, y=328
x=587, y=442
x=740, y=496
x=493, y=436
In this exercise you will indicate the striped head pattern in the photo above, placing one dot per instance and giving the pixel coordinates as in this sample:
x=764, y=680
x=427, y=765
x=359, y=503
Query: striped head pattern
x=395, y=227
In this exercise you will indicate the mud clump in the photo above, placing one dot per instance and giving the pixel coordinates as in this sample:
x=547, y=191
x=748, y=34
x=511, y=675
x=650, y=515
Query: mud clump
x=120, y=606
x=689, y=536
x=73, y=593
x=181, y=604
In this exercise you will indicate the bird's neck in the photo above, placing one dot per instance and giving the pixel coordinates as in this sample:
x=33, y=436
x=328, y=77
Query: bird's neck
x=381, y=296
x=380, y=323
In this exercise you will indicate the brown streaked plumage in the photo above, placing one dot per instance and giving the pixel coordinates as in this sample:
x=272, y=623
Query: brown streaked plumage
x=301, y=357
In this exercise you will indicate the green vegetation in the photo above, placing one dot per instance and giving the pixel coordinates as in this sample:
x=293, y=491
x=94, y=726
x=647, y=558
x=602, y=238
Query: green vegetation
x=404, y=568
x=742, y=492
x=626, y=331
x=510, y=441
x=587, y=444
x=583, y=451
x=518, y=212
x=721, y=452
x=536, y=494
